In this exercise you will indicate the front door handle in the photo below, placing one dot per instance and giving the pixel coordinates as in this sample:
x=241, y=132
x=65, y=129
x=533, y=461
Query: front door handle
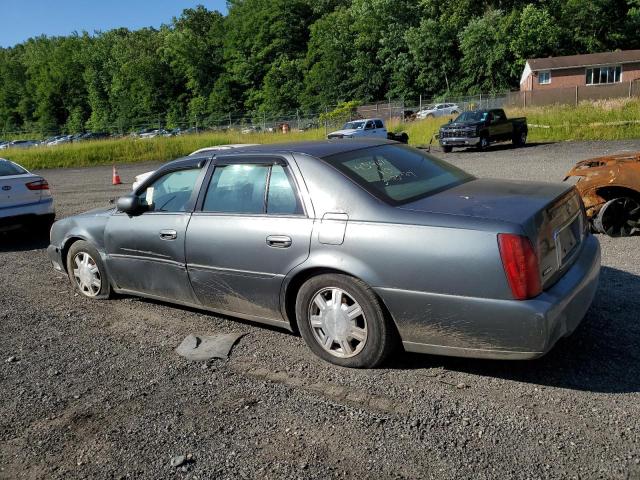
x=168, y=234
x=279, y=241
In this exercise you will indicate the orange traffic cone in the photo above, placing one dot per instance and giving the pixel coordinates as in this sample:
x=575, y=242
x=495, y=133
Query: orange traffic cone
x=115, y=179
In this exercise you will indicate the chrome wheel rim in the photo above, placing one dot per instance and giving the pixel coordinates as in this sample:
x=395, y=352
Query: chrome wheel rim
x=86, y=274
x=338, y=322
x=523, y=138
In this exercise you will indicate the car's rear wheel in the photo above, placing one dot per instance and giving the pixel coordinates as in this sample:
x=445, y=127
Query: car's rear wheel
x=341, y=320
x=86, y=271
x=520, y=139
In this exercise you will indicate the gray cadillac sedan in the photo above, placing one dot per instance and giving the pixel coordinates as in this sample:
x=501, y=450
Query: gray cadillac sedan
x=360, y=245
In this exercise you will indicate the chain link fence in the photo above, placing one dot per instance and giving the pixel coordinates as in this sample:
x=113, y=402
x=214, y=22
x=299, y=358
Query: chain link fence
x=395, y=110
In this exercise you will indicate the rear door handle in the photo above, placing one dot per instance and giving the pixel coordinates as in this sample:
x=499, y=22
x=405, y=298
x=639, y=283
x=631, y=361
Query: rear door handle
x=279, y=241
x=168, y=234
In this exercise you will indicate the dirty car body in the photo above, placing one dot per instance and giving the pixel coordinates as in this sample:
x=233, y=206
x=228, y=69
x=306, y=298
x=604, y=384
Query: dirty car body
x=438, y=249
x=610, y=189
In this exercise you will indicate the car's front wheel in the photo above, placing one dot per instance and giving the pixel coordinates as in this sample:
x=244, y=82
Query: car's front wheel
x=447, y=148
x=341, y=320
x=86, y=271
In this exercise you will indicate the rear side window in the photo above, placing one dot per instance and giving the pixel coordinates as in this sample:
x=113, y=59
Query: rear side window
x=237, y=189
x=398, y=174
x=242, y=188
x=282, y=198
x=8, y=168
x=379, y=124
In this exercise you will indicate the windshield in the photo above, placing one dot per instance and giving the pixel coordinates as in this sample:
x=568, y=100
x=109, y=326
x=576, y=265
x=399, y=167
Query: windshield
x=398, y=174
x=353, y=126
x=476, y=116
x=8, y=168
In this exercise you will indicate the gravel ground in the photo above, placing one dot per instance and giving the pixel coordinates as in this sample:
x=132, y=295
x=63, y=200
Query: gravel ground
x=94, y=389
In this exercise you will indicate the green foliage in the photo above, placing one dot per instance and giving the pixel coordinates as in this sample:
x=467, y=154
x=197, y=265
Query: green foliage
x=270, y=58
x=343, y=112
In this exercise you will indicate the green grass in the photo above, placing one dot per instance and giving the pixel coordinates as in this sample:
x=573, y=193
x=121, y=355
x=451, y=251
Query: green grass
x=130, y=150
x=603, y=120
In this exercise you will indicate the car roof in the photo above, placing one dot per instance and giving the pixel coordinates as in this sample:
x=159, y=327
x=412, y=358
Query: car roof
x=319, y=149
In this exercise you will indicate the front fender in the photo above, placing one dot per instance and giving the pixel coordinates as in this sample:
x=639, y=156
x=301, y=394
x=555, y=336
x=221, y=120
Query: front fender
x=90, y=229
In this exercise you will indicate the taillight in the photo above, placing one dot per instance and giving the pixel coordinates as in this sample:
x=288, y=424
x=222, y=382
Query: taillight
x=38, y=185
x=520, y=264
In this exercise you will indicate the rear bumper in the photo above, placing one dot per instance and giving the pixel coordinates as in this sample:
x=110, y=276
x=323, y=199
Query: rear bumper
x=459, y=141
x=25, y=214
x=497, y=329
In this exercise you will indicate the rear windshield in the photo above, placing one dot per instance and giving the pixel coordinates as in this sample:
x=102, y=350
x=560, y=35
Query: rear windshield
x=398, y=174
x=8, y=168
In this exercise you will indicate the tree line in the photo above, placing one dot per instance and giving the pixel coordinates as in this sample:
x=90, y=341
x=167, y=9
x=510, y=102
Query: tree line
x=273, y=57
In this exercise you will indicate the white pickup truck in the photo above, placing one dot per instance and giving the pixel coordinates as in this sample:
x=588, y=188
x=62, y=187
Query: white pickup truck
x=368, y=127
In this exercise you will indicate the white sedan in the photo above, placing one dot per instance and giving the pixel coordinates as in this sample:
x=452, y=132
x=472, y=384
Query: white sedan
x=438, y=110
x=25, y=199
x=143, y=176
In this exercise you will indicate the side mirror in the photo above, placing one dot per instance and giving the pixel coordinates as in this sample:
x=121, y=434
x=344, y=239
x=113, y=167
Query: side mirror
x=450, y=120
x=129, y=204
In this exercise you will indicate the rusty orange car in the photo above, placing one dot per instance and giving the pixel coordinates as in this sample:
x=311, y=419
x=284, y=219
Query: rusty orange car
x=610, y=190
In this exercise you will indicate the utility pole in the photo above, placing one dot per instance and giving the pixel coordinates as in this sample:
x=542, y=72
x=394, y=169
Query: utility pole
x=326, y=111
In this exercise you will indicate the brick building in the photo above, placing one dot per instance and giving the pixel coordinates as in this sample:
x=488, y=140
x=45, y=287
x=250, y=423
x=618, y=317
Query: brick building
x=605, y=68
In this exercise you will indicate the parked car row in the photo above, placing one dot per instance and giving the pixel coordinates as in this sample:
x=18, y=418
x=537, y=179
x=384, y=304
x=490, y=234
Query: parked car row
x=18, y=144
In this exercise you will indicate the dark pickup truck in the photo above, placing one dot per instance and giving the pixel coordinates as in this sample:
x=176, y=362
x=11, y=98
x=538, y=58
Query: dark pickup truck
x=480, y=128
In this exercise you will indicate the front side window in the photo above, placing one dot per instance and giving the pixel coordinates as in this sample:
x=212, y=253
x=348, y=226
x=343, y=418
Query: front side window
x=242, y=189
x=600, y=75
x=544, y=78
x=171, y=192
x=398, y=174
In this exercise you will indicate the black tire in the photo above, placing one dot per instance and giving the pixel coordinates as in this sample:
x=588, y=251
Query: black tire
x=40, y=225
x=484, y=142
x=77, y=249
x=619, y=217
x=381, y=338
x=447, y=148
x=519, y=139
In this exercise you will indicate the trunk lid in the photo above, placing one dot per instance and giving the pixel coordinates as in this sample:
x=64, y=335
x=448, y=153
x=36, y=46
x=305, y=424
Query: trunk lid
x=551, y=215
x=14, y=191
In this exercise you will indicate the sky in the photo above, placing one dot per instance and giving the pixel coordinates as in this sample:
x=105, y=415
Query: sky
x=22, y=19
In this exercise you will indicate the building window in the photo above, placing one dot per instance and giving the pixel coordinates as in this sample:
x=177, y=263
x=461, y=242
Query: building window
x=544, y=78
x=608, y=74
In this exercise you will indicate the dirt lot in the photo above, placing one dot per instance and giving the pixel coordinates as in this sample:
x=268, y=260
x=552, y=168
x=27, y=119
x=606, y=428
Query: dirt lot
x=96, y=390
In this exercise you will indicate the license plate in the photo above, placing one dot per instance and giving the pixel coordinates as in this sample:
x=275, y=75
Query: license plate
x=566, y=241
